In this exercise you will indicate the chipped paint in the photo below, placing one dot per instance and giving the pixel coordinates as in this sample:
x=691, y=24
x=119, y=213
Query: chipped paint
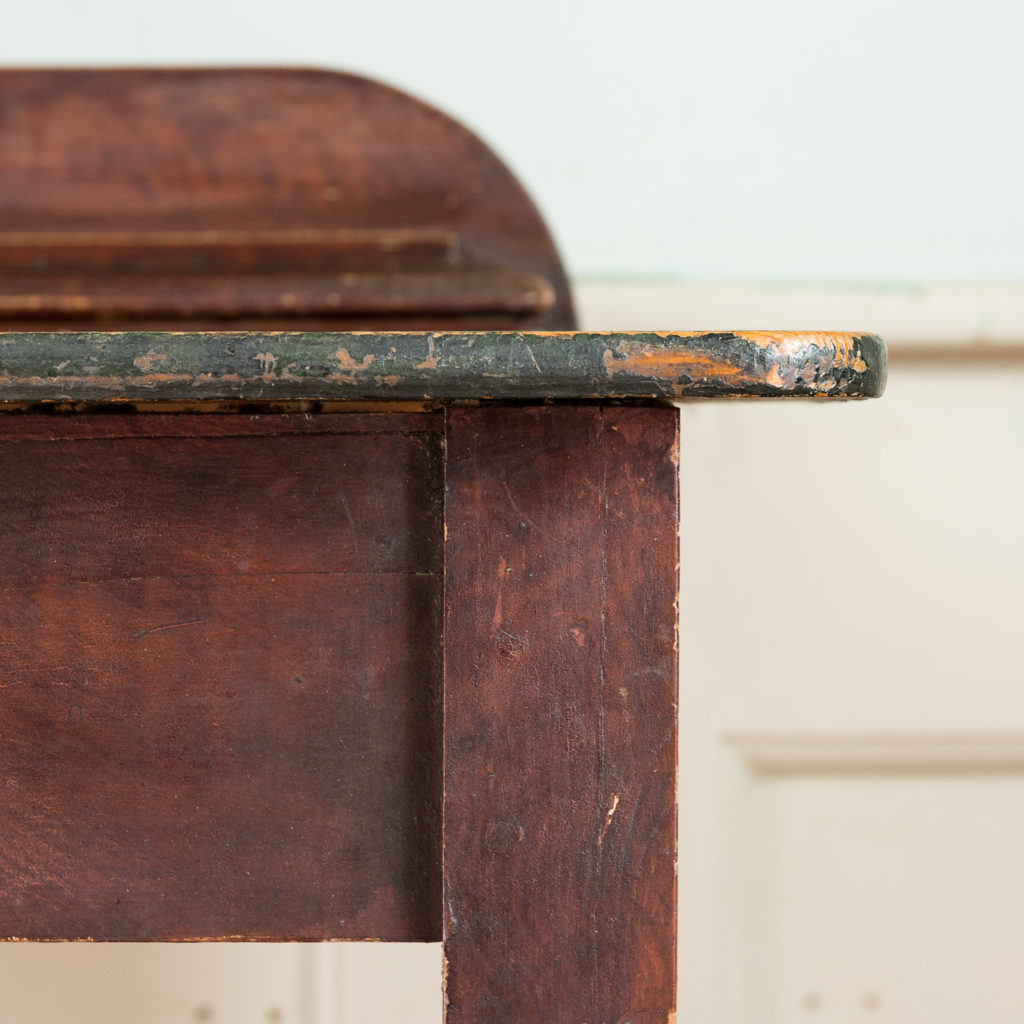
x=346, y=362
x=148, y=363
x=664, y=364
x=433, y=360
x=368, y=366
x=267, y=361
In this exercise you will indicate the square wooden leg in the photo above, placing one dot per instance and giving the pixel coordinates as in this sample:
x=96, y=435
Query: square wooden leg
x=561, y=574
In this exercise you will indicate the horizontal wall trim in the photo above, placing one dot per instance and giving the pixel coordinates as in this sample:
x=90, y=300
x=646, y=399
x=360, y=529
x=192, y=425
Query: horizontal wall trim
x=879, y=753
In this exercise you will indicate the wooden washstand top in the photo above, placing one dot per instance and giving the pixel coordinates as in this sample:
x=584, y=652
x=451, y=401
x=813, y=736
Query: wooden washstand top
x=146, y=366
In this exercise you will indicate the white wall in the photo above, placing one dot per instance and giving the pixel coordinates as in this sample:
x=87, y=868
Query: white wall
x=875, y=141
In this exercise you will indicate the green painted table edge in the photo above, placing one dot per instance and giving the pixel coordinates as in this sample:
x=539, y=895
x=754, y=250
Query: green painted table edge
x=140, y=366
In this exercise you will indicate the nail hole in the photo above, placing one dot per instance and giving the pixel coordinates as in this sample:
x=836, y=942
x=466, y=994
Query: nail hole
x=871, y=1001
x=811, y=1002
x=275, y=1015
x=204, y=1012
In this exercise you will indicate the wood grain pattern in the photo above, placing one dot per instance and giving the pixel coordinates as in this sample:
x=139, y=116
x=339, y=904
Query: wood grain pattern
x=239, y=506
x=439, y=366
x=641, y=565
x=159, y=425
x=219, y=682
x=257, y=198
x=559, y=807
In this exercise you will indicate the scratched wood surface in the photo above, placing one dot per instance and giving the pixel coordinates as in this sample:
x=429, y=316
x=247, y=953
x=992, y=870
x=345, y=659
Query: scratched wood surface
x=220, y=672
x=560, y=690
x=141, y=367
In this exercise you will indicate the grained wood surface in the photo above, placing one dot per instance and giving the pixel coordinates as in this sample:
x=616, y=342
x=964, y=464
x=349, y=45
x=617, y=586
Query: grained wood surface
x=441, y=366
x=93, y=508
x=258, y=197
x=560, y=690
x=219, y=677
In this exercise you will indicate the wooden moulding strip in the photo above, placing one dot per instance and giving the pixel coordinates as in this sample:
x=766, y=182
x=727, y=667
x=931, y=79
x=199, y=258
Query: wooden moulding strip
x=435, y=366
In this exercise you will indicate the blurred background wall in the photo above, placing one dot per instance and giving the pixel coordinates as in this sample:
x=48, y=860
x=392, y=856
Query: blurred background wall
x=852, y=726
x=782, y=141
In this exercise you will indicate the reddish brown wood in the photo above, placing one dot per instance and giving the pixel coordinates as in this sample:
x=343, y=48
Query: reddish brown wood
x=257, y=198
x=220, y=674
x=63, y=425
x=638, y=852
x=92, y=508
x=219, y=679
x=560, y=684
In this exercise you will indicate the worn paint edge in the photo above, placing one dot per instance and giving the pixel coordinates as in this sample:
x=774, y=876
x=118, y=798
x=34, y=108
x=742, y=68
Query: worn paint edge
x=64, y=367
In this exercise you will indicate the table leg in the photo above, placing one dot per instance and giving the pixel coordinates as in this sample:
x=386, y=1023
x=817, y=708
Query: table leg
x=560, y=714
